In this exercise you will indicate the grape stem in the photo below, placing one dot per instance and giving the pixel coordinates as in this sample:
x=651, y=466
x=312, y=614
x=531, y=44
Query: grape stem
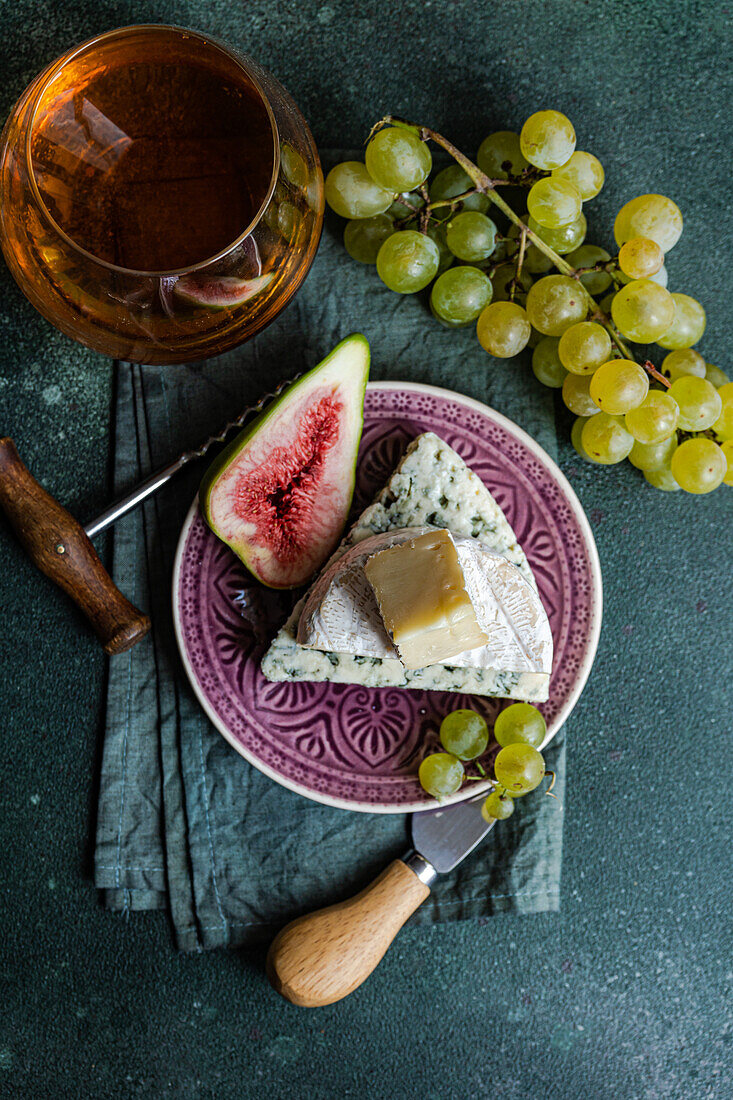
x=603, y=319
x=425, y=212
x=520, y=260
x=652, y=370
x=451, y=202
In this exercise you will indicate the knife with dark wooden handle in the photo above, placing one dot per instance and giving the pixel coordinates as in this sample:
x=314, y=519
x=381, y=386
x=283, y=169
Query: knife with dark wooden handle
x=59, y=546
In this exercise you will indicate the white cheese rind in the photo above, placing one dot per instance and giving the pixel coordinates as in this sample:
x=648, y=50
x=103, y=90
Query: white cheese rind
x=340, y=614
x=432, y=486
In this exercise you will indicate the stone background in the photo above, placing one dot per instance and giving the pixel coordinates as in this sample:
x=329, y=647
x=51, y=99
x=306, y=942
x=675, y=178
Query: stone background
x=626, y=992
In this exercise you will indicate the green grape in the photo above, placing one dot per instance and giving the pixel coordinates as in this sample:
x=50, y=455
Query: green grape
x=660, y=277
x=363, y=237
x=535, y=261
x=642, y=311
x=655, y=419
x=698, y=465
x=547, y=139
x=683, y=361
x=503, y=329
x=605, y=440
x=397, y=159
x=554, y=202
x=653, y=456
x=618, y=386
x=519, y=768
x=352, y=192
x=727, y=449
x=441, y=774
x=662, y=479
x=497, y=807
x=585, y=171
x=699, y=401
x=546, y=363
x=585, y=347
x=464, y=733
x=576, y=433
x=451, y=182
x=458, y=296
x=520, y=723
x=687, y=326
x=534, y=338
x=640, y=258
x=713, y=374
x=504, y=250
x=471, y=236
x=407, y=205
x=408, y=261
x=561, y=240
x=502, y=280
x=723, y=426
x=595, y=282
x=555, y=303
x=437, y=234
x=652, y=216
x=293, y=166
x=500, y=156
x=576, y=395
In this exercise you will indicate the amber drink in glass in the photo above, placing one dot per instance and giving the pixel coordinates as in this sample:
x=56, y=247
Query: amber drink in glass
x=161, y=197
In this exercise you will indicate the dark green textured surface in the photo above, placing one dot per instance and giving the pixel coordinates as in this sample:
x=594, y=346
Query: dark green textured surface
x=625, y=993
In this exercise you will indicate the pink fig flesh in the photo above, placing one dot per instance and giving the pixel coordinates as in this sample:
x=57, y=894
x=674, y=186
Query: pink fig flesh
x=280, y=494
x=219, y=292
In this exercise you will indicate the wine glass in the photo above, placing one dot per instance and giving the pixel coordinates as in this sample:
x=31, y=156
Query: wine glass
x=161, y=196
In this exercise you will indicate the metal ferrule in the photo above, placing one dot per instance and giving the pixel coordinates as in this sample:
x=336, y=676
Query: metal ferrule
x=420, y=867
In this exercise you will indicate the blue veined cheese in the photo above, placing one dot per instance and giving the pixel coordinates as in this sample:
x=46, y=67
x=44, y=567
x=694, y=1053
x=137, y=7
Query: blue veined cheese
x=431, y=487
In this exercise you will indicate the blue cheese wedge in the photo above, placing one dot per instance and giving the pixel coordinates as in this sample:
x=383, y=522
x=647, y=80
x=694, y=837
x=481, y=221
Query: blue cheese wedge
x=431, y=487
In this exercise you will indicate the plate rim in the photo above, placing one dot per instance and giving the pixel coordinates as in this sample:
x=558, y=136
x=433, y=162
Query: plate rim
x=583, y=671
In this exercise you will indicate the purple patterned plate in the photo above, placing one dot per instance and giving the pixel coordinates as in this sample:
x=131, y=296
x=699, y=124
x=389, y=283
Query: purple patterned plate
x=359, y=748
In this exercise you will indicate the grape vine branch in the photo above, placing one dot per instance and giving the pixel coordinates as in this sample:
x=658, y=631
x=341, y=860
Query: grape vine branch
x=486, y=186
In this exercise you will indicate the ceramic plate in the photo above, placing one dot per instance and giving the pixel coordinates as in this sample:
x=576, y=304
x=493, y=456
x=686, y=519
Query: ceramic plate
x=354, y=747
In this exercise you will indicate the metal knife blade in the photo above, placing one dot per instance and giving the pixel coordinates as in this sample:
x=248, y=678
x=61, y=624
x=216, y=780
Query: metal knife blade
x=160, y=477
x=445, y=836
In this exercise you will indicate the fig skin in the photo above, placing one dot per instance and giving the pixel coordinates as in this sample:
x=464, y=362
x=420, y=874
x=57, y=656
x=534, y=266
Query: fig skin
x=346, y=367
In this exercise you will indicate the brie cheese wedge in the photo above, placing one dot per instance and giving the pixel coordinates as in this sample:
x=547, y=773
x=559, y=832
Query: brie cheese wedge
x=335, y=631
x=341, y=615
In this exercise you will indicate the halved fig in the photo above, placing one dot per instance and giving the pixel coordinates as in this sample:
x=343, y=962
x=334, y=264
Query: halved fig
x=280, y=493
x=219, y=292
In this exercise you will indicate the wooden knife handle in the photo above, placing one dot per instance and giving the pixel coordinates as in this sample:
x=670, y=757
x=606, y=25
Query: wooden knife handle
x=324, y=956
x=58, y=545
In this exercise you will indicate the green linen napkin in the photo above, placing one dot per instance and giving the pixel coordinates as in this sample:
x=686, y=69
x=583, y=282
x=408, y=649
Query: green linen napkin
x=184, y=823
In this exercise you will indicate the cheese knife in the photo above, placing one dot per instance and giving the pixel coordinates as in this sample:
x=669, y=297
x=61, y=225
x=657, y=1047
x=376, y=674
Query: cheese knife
x=323, y=956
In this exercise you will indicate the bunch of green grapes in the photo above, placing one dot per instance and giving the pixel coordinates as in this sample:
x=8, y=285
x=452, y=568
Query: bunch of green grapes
x=434, y=230
x=518, y=768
